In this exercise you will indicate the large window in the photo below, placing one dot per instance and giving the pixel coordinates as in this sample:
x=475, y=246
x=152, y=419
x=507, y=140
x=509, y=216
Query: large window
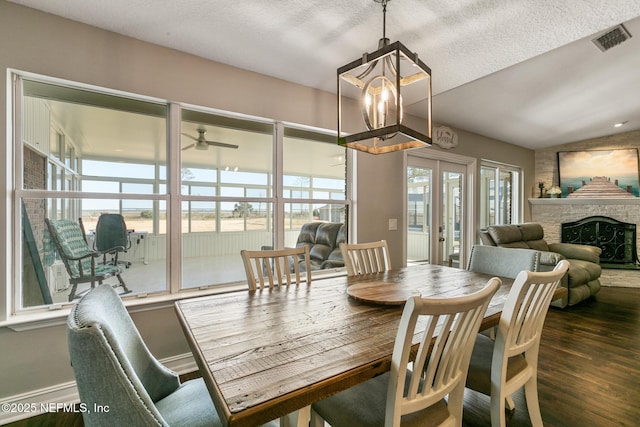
x=194, y=186
x=227, y=194
x=499, y=194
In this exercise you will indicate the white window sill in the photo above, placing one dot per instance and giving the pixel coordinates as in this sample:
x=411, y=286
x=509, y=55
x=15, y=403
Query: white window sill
x=56, y=315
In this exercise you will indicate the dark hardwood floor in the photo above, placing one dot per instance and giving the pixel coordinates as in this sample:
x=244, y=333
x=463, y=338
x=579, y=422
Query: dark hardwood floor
x=588, y=374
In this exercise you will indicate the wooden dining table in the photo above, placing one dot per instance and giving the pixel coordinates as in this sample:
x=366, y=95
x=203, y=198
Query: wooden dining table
x=267, y=353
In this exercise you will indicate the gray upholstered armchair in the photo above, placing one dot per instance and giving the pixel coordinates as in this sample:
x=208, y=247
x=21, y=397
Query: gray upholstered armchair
x=583, y=278
x=119, y=380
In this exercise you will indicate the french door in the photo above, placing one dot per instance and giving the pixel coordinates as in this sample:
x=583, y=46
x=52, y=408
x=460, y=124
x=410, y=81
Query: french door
x=436, y=211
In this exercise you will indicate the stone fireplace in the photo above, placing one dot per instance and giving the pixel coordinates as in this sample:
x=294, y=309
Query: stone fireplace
x=551, y=213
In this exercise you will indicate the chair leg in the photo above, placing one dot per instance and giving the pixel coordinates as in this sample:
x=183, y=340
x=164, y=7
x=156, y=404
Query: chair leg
x=72, y=294
x=456, y=404
x=498, y=418
x=316, y=420
x=299, y=418
x=531, y=394
x=124, y=286
x=510, y=404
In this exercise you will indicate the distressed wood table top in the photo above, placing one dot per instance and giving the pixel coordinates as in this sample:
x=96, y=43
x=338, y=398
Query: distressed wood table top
x=267, y=353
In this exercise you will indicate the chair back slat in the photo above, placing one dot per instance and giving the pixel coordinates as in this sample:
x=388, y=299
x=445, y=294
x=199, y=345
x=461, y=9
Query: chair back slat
x=366, y=258
x=271, y=268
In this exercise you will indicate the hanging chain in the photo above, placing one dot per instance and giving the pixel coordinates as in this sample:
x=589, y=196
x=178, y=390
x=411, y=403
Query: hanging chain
x=384, y=16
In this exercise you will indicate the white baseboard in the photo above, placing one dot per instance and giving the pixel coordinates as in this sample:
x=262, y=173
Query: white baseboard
x=63, y=396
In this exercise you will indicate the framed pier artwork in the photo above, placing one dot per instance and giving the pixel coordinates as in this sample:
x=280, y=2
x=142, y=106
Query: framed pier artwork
x=599, y=173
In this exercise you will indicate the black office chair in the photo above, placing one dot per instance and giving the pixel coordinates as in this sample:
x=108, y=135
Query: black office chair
x=112, y=238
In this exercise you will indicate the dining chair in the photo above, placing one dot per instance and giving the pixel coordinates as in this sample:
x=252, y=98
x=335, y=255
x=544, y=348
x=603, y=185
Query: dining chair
x=499, y=368
x=279, y=267
x=503, y=262
x=366, y=258
x=119, y=381
x=444, y=330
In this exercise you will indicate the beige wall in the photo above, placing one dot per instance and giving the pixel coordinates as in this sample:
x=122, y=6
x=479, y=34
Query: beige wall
x=481, y=147
x=44, y=44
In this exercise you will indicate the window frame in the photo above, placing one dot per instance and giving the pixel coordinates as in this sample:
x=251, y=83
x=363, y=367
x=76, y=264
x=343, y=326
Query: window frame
x=172, y=197
x=516, y=192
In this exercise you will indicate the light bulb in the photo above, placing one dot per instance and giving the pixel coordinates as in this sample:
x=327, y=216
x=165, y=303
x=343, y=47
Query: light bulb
x=367, y=100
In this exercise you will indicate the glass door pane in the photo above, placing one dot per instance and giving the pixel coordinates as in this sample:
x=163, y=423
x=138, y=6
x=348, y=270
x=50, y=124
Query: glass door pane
x=419, y=185
x=451, y=227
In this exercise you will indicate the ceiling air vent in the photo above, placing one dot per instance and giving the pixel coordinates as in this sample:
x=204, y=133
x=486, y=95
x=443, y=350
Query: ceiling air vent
x=611, y=38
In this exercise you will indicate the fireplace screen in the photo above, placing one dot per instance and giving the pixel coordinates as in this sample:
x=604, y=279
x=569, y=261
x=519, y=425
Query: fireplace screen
x=616, y=239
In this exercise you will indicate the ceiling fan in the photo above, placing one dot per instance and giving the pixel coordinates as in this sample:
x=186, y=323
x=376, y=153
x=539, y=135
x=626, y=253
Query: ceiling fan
x=202, y=144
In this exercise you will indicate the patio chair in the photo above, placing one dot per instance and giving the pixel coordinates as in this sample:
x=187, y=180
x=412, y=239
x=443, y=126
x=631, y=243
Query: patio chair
x=112, y=238
x=280, y=267
x=79, y=259
x=418, y=397
x=499, y=368
x=366, y=258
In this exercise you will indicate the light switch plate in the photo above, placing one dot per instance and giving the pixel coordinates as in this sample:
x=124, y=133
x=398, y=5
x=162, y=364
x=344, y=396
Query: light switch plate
x=393, y=224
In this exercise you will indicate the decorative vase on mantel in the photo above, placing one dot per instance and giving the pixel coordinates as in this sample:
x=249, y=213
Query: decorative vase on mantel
x=554, y=192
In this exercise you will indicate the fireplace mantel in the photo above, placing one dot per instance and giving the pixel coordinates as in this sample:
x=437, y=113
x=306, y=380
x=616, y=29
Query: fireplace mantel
x=599, y=201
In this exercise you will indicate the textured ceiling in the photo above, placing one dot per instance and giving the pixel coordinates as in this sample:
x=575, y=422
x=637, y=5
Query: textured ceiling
x=520, y=71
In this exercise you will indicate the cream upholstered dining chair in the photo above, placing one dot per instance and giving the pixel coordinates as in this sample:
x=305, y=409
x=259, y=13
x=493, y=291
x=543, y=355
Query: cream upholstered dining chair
x=115, y=370
x=280, y=267
x=499, y=368
x=366, y=258
x=451, y=325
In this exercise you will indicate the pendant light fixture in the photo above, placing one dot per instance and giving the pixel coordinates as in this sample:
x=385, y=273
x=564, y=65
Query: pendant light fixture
x=383, y=83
